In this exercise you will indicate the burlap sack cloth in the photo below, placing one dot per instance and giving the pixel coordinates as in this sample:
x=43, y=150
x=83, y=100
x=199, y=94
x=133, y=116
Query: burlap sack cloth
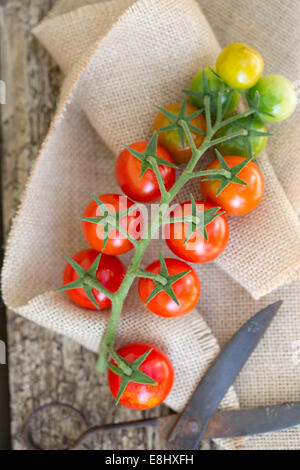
x=120, y=63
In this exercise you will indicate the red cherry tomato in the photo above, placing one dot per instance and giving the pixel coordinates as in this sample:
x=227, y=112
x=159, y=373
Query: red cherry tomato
x=117, y=243
x=110, y=274
x=187, y=290
x=146, y=188
x=197, y=249
x=157, y=366
x=236, y=199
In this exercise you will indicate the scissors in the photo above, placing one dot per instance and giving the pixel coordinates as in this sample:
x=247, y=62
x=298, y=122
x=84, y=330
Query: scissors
x=201, y=419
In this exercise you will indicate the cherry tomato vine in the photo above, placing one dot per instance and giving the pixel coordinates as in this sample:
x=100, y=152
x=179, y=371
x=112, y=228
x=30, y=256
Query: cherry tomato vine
x=146, y=172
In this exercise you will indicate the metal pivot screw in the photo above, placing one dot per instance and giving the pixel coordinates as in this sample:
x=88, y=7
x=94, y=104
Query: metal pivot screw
x=193, y=426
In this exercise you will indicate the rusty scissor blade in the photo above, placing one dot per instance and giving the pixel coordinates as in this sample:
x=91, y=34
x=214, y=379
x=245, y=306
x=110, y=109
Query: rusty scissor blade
x=225, y=423
x=192, y=424
x=235, y=423
x=238, y=423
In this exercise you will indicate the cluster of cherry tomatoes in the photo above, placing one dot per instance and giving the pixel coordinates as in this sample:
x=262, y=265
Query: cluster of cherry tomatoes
x=238, y=70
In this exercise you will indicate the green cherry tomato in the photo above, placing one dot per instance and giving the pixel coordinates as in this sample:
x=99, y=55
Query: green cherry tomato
x=240, y=66
x=277, y=97
x=238, y=146
x=214, y=85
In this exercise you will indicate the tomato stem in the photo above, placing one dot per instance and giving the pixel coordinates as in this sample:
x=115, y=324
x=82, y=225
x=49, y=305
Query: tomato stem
x=120, y=363
x=207, y=114
x=90, y=281
x=188, y=134
x=158, y=176
x=141, y=246
x=234, y=118
x=117, y=305
x=212, y=172
x=155, y=277
x=242, y=132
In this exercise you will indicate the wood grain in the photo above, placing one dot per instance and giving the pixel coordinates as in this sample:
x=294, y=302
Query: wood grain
x=45, y=367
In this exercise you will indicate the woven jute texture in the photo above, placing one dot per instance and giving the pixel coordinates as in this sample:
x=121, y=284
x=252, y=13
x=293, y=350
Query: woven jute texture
x=120, y=63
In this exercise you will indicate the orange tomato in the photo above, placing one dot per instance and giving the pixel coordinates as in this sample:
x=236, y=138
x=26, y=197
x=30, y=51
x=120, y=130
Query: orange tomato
x=236, y=199
x=170, y=140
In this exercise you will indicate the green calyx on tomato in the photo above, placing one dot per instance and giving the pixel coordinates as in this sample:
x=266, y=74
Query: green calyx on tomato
x=201, y=242
x=149, y=158
x=110, y=221
x=232, y=174
x=163, y=281
x=254, y=104
x=236, y=199
x=145, y=171
x=129, y=371
x=207, y=83
x=276, y=97
x=87, y=281
x=240, y=66
x=171, y=134
x=169, y=288
x=129, y=387
x=249, y=145
x=197, y=220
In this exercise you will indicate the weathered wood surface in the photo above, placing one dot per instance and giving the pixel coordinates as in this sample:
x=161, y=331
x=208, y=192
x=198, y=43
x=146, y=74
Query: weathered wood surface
x=45, y=367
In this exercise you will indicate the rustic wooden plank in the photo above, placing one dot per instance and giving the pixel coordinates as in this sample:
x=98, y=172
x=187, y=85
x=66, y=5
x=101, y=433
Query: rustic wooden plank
x=5, y=440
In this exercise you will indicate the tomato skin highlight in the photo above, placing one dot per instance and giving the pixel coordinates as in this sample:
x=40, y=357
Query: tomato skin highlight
x=117, y=243
x=197, y=249
x=145, y=189
x=236, y=199
x=240, y=66
x=157, y=366
x=277, y=97
x=170, y=140
x=186, y=289
x=215, y=86
x=238, y=146
x=110, y=274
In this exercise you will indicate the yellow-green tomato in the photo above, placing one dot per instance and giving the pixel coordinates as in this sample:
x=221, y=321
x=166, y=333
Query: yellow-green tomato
x=214, y=85
x=277, y=97
x=240, y=66
x=238, y=145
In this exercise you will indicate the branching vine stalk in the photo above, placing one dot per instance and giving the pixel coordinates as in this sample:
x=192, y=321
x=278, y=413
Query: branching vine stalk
x=118, y=298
